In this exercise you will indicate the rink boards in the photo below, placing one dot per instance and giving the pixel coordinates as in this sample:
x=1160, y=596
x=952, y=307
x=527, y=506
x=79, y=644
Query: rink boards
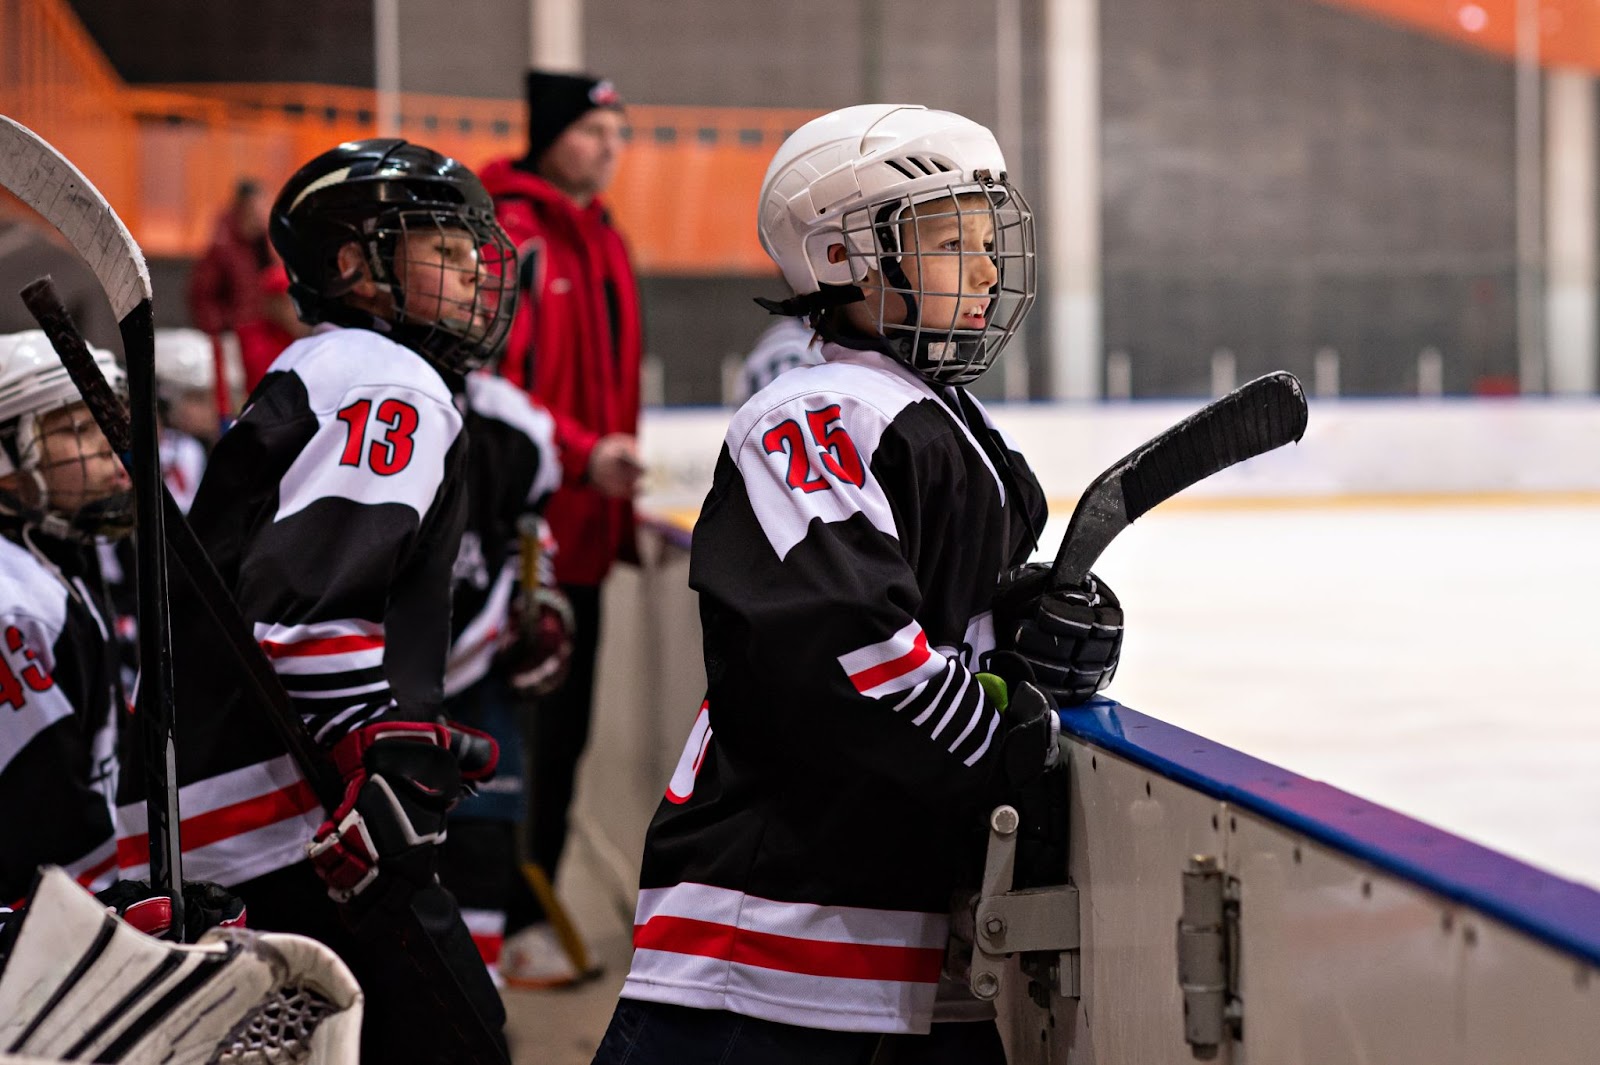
x=1362, y=936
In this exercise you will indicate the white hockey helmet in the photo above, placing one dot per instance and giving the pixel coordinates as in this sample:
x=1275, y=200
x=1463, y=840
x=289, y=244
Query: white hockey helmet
x=185, y=362
x=33, y=383
x=850, y=177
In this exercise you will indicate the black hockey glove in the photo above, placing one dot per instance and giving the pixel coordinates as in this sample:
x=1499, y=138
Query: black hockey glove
x=402, y=778
x=1028, y=744
x=205, y=906
x=1065, y=640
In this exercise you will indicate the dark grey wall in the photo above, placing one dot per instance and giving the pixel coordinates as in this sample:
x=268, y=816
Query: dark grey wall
x=1279, y=175
x=1282, y=176
x=327, y=41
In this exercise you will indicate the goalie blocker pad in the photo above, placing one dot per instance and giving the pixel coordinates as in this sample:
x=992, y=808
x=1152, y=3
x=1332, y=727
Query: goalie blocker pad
x=83, y=985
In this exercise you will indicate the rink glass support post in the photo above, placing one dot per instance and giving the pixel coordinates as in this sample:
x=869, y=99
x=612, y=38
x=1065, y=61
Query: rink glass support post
x=1040, y=923
x=1208, y=957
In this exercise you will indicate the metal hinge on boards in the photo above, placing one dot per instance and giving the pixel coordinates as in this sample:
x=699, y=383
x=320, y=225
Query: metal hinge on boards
x=1042, y=922
x=1208, y=957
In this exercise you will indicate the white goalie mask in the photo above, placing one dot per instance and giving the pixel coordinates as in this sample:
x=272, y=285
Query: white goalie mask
x=892, y=184
x=70, y=485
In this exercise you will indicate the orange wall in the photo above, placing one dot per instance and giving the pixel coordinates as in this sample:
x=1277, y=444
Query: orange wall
x=168, y=157
x=1569, y=29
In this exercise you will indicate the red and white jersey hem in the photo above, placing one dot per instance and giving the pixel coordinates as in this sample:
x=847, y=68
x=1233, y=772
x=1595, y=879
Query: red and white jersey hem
x=843, y=968
x=236, y=826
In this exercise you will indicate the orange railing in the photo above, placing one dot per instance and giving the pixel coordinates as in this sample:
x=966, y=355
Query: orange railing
x=167, y=157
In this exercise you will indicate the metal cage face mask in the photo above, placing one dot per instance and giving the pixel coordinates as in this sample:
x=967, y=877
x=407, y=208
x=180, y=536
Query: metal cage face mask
x=956, y=274
x=453, y=278
x=70, y=482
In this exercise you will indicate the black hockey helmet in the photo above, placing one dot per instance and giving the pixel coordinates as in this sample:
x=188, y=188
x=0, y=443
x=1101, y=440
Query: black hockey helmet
x=388, y=196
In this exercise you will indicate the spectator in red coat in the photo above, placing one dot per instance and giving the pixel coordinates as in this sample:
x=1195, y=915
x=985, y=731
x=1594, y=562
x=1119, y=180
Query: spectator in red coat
x=224, y=289
x=262, y=340
x=575, y=346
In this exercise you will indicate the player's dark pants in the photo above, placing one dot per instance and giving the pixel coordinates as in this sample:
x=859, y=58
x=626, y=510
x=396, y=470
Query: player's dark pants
x=649, y=1033
x=557, y=734
x=400, y=1022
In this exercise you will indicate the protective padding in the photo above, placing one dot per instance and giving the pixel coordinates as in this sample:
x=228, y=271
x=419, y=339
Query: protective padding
x=83, y=985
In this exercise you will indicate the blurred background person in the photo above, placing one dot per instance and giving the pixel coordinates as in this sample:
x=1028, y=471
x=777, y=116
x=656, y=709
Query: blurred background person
x=785, y=344
x=575, y=346
x=262, y=339
x=224, y=289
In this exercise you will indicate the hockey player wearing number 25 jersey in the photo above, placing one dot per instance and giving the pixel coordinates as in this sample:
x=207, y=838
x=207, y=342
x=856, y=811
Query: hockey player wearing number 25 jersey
x=799, y=874
x=333, y=510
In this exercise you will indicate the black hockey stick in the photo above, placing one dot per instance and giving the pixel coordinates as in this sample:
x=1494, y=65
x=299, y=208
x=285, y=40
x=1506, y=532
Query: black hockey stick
x=406, y=929
x=193, y=564
x=42, y=178
x=1251, y=420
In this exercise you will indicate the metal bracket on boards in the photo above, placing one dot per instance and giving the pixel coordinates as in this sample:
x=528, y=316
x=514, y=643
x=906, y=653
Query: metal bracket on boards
x=1035, y=920
x=1208, y=957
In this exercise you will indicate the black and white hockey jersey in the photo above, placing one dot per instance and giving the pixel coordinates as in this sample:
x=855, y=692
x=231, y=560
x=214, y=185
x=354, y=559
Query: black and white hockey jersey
x=59, y=695
x=333, y=510
x=830, y=797
x=512, y=467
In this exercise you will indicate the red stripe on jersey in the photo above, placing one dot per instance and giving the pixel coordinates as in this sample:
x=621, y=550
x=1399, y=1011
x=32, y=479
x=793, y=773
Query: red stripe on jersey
x=226, y=822
x=809, y=957
x=884, y=672
x=333, y=645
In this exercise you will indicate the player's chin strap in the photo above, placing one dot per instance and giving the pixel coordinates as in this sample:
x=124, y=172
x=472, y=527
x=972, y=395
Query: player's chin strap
x=825, y=298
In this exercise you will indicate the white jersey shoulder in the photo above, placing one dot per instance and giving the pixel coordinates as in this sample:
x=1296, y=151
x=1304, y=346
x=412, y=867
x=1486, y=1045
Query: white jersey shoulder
x=385, y=422
x=33, y=611
x=30, y=590
x=332, y=362
x=804, y=444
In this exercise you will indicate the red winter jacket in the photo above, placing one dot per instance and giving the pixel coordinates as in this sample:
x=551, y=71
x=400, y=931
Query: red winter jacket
x=578, y=331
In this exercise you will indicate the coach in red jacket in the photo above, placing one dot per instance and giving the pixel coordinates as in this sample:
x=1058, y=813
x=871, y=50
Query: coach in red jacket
x=575, y=346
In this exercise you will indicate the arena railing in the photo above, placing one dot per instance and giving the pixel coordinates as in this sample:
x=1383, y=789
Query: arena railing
x=168, y=157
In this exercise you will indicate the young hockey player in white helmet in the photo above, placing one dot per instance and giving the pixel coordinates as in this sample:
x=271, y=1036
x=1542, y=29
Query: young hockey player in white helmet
x=830, y=803
x=61, y=487
x=186, y=382
x=333, y=510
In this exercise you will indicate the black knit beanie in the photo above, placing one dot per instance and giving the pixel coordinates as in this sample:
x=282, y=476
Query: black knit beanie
x=556, y=101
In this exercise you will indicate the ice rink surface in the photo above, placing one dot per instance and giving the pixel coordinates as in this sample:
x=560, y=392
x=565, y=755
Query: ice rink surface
x=1438, y=659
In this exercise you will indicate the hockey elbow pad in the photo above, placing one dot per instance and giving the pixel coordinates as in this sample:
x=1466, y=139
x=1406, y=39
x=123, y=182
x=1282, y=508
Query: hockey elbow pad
x=401, y=779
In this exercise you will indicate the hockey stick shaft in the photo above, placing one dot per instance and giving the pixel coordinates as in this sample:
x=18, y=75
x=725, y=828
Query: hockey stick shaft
x=410, y=936
x=1254, y=418
x=45, y=180
x=192, y=561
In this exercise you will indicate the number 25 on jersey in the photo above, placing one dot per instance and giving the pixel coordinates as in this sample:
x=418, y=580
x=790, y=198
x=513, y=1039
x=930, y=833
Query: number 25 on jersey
x=828, y=441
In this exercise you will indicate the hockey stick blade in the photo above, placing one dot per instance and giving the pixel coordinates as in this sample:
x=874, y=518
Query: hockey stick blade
x=1253, y=419
x=46, y=181
x=408, y=934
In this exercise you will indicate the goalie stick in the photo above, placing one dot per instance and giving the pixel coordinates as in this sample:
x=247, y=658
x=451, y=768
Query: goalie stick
x=43, y=179
x=1253, y=419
